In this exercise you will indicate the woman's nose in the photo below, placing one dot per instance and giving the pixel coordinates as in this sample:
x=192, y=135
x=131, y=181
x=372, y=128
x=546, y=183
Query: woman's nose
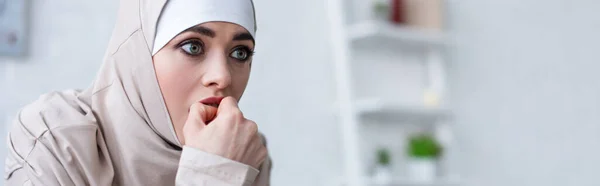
x=217, y=72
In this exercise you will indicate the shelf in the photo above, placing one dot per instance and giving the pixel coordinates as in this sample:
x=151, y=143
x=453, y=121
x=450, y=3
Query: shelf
x=415, y=183
x=381, y=110
x=404, y=182
x=376, y=32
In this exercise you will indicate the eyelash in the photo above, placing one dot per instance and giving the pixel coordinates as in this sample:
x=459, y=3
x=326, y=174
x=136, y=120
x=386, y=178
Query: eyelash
x=191, y=41
x=246, y=49
x=249, y=52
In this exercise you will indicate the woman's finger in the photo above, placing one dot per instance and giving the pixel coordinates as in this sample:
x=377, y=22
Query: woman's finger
x=202, y=113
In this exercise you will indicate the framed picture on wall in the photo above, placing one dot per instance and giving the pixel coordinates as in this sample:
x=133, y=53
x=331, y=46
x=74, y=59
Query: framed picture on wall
x=12, y=27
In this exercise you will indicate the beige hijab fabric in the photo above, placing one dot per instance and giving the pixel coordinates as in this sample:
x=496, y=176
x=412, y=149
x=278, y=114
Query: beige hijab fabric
x=117, y=132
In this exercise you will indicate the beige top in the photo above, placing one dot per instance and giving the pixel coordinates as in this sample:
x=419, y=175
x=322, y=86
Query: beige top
x=118, y=131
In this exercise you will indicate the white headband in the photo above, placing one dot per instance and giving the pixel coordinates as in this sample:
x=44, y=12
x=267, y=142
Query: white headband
x=179, y=15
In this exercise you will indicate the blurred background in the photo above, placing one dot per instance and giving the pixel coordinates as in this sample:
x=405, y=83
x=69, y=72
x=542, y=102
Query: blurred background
x=374, y=92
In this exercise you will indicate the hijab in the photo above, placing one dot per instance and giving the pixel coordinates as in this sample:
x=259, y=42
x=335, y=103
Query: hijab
x=179, y=15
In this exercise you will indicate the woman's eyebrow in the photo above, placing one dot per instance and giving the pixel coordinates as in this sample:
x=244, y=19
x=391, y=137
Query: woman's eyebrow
x=243, y=36
x=210, y=33
x=202, y=30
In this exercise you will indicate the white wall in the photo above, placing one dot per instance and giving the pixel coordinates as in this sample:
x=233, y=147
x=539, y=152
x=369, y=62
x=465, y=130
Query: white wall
x=3, y=109
x=290, y=92
x=526, y=92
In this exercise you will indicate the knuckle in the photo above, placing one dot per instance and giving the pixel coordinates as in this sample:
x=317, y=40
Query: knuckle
x=253, y=128
x=196, y=108
x=263, y=153
x=228, y=99
x=235, y=117
x=194, y=113
x=237, y=113
x=193, y=108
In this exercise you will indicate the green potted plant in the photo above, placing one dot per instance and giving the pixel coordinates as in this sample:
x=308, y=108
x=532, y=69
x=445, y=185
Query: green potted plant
x=383, y=173
x=424, y=152
x=381, y=9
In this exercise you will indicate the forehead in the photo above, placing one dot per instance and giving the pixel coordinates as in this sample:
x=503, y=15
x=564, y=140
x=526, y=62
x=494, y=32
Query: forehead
x=223, y=27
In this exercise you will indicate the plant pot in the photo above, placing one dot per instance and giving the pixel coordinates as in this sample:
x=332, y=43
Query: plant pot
x=426, y=14
x=422, y=169
x=382, y=175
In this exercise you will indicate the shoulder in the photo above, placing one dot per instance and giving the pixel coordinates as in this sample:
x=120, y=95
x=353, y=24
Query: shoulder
x=56, y=109
x=53, y=138
x=54, y=114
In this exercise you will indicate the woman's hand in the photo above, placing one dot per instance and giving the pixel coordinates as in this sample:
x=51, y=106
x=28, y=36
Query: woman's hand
x=229, y=134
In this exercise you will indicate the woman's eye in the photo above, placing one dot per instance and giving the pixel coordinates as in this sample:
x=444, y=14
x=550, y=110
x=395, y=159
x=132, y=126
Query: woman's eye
x=241, y=54
x=192, y=48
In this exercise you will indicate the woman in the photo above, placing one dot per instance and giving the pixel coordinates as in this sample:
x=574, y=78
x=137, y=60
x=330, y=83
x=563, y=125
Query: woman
x=162, y=111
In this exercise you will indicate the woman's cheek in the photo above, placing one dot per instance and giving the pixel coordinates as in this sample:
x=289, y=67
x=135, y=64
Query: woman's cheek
x=173, y=74
x=240, y=81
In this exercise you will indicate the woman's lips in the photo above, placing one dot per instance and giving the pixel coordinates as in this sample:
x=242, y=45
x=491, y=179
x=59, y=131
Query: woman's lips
x=212, y=101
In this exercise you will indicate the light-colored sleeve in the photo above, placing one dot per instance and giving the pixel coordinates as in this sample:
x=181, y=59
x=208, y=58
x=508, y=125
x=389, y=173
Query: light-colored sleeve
x=39, y=156
x=264, y=177
x=199, y=168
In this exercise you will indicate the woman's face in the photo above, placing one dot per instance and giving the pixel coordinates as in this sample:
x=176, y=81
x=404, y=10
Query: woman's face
x=210, y=59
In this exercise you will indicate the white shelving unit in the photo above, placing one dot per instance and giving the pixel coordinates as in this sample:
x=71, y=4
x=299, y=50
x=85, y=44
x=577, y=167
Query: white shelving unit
x=390, y=111
x=400, y=182
x=353, y=110
x=376, y=30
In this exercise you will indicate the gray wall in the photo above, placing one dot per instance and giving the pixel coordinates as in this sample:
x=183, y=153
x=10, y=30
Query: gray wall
x=526, y=91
